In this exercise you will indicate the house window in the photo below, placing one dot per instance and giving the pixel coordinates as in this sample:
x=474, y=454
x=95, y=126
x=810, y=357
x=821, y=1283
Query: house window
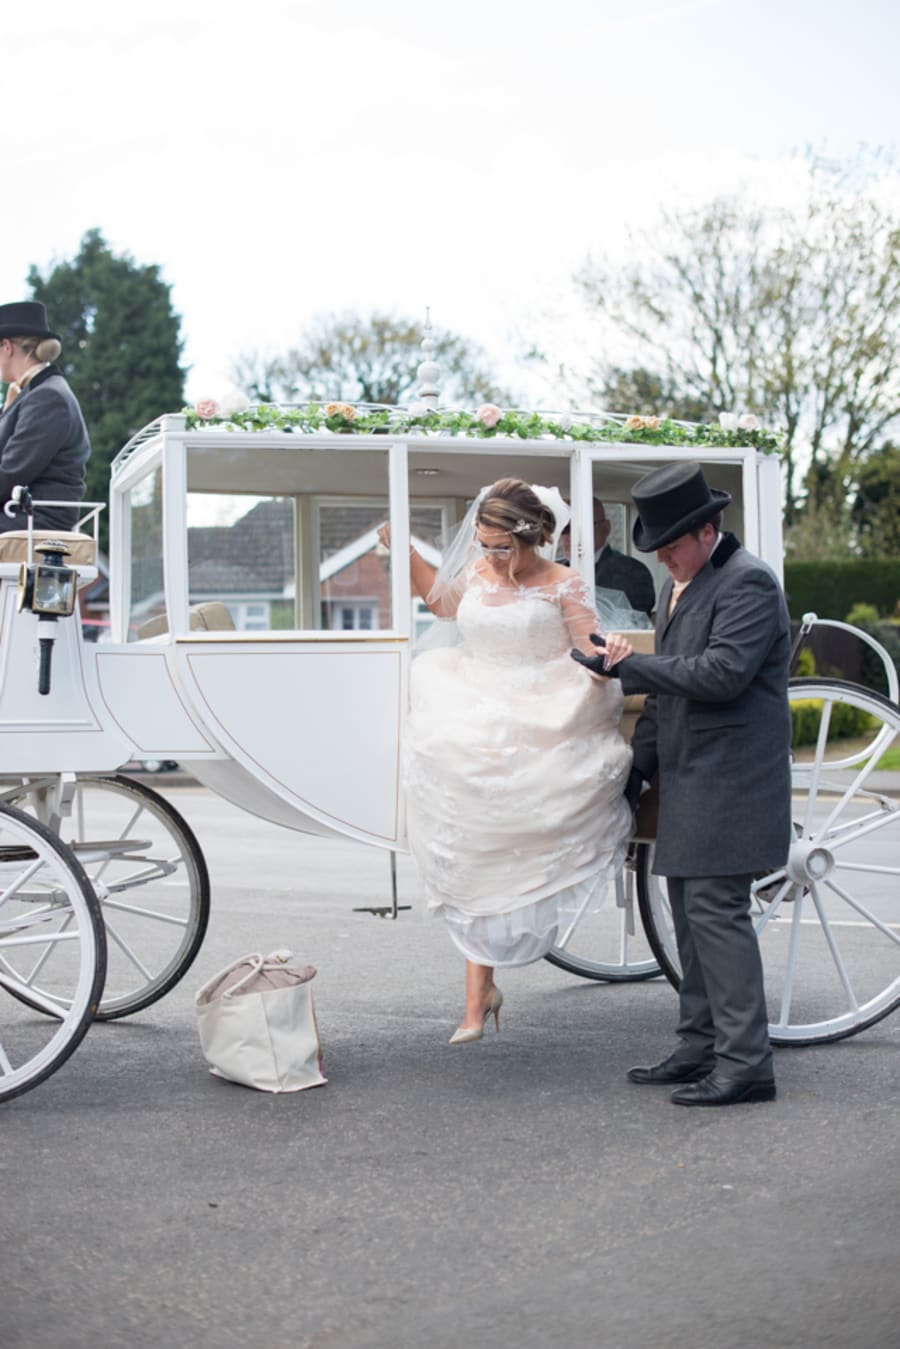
x=251, y=616
x=355, y=618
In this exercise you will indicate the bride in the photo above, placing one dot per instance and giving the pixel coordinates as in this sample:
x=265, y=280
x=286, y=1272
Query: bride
x=514, y=764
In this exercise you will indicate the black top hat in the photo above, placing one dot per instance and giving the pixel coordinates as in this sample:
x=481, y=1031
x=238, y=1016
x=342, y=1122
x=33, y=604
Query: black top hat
x=28, y=318
x=672, y=501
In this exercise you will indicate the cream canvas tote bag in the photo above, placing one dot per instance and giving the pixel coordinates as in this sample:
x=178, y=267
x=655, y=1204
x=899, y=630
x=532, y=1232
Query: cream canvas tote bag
x=257, y=1024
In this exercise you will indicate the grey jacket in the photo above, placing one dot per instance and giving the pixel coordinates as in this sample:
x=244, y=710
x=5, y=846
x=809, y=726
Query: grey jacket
x=43, y=445
x=717, y=724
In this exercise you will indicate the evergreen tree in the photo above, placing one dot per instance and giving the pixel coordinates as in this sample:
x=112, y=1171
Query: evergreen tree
x=121, y=346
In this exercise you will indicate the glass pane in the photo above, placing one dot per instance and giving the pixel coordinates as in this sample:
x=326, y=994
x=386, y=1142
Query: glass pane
x=241, y=561
x=354, y=569
x=147, y=606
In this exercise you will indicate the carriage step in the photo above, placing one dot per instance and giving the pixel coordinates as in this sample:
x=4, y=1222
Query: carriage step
x=17, y=852
x=100, y=850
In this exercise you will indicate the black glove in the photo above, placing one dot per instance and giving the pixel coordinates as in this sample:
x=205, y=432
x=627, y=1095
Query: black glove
x=595, y=663
x=632, y=792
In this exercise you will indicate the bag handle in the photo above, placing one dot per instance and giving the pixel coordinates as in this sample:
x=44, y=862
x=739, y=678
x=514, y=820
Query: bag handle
x=256, y=962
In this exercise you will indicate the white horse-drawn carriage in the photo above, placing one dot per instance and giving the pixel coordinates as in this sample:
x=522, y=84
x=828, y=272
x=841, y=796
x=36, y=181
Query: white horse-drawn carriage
x=261, y=637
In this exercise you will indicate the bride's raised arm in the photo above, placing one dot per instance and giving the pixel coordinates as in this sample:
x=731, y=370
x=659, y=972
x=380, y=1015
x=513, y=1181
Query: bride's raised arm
x=442, y=602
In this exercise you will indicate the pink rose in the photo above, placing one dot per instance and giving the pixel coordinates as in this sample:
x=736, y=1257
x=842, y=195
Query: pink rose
x=206, y=408
x=489, y=415
x=749, y=422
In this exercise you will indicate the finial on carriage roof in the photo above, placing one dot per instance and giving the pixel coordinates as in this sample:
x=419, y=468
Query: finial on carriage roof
x=428, y=390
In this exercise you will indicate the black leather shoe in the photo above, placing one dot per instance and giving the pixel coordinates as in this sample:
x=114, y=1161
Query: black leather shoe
x=675, y=1068
x=716, y=1089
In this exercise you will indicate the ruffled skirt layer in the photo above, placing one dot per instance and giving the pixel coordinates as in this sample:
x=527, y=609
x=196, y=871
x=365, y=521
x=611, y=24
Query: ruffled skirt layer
x=515, y=812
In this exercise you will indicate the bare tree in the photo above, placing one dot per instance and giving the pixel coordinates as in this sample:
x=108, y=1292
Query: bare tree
x=369, y=360
x=791, y=314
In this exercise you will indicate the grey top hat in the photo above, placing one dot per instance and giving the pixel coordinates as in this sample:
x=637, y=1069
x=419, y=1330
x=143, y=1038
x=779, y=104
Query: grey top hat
x=672, y=501
x=27, y=318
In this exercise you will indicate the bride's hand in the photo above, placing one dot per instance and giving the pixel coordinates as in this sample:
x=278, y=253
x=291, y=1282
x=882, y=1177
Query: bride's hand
x=617, y=648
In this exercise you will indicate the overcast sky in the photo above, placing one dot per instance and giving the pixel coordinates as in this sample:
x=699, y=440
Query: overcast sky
x=285, y=158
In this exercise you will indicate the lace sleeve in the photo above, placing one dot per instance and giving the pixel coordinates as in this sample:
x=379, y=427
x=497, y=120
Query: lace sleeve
x=576, y=601
x=443, y=601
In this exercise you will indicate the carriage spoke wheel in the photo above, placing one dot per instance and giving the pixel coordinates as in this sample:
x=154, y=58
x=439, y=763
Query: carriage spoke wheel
x=828, y=923
x=150, y=878
x=52, y=952
x=609, y=945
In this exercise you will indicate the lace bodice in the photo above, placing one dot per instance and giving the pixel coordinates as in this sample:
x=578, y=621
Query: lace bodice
x=525, y=624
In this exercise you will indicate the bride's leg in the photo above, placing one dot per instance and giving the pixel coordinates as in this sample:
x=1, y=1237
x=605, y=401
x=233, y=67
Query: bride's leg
x=479, y=993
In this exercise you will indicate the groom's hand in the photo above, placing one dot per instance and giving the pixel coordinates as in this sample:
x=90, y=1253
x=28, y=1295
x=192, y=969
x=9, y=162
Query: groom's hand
x=596, y=664
x=633, y=787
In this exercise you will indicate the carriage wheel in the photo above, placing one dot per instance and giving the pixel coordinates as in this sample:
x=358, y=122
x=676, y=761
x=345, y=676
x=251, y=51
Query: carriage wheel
x=829, y=922
x=150, y=877
x=609, y=945
x=52, y=952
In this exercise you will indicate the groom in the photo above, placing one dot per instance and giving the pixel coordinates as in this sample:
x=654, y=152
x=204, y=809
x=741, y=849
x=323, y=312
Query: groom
x=717, y=728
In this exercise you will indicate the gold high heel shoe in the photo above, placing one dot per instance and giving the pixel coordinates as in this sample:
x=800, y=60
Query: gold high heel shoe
x=465, y=1036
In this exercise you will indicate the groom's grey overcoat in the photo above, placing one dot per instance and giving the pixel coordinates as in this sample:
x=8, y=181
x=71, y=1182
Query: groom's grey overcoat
x=44, y=446
x=717, y=721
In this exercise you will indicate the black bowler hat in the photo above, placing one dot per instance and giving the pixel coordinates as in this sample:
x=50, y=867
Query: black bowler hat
x=672, y=501
x=28, y=318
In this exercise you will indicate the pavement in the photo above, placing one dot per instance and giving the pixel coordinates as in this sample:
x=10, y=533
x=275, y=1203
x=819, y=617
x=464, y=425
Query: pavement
x=515, y=1193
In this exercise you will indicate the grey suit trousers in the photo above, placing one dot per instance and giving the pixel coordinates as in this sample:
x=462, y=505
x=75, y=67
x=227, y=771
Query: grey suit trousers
x=722, y=999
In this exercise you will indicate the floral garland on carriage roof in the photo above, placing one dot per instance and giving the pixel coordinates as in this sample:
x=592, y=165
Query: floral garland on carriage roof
x=234, y=412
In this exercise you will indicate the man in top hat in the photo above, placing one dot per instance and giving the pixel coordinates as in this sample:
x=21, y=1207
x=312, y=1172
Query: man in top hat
x=716, y=726
x=43, y=439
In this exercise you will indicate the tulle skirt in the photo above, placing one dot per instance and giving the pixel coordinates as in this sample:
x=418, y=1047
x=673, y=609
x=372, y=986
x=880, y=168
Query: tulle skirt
x=515, y=815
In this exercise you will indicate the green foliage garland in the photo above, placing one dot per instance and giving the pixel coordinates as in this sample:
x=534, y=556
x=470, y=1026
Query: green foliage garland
x=524, y=425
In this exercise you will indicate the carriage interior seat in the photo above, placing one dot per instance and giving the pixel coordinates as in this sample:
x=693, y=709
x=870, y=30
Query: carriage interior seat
x=82, y=547
x=212, y=616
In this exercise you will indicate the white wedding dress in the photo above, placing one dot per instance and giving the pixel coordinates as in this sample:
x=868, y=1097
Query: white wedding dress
x=515, y=770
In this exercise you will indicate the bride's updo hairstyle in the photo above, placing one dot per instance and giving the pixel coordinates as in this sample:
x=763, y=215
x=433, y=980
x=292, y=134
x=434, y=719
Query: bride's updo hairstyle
x=41, y=348
x=511, y=505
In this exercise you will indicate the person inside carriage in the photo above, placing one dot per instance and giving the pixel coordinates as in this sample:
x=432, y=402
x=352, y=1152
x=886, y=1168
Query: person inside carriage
x=514, y=769
x=43, y=439
x=614, y=570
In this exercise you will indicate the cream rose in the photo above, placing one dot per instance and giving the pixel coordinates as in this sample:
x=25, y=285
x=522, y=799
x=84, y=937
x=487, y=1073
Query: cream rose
x=651, y=423
x=347, y=412
x=332, y=409
x=728, y=421
x=232, y=401
x=634, y=424
x=749, y=422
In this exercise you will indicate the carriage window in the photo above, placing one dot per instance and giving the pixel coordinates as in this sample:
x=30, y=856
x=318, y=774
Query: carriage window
x=148, y=600
x=354, y=568
x=242, y=557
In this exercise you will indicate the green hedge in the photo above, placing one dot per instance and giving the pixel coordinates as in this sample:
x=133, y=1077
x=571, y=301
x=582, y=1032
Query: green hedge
x=846, y=722
x=830, y=589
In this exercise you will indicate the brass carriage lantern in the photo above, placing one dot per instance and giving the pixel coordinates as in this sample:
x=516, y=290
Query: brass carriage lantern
x=48, y=590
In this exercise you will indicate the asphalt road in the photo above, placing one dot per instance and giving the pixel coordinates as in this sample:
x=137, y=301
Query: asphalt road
x=511, y=1194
